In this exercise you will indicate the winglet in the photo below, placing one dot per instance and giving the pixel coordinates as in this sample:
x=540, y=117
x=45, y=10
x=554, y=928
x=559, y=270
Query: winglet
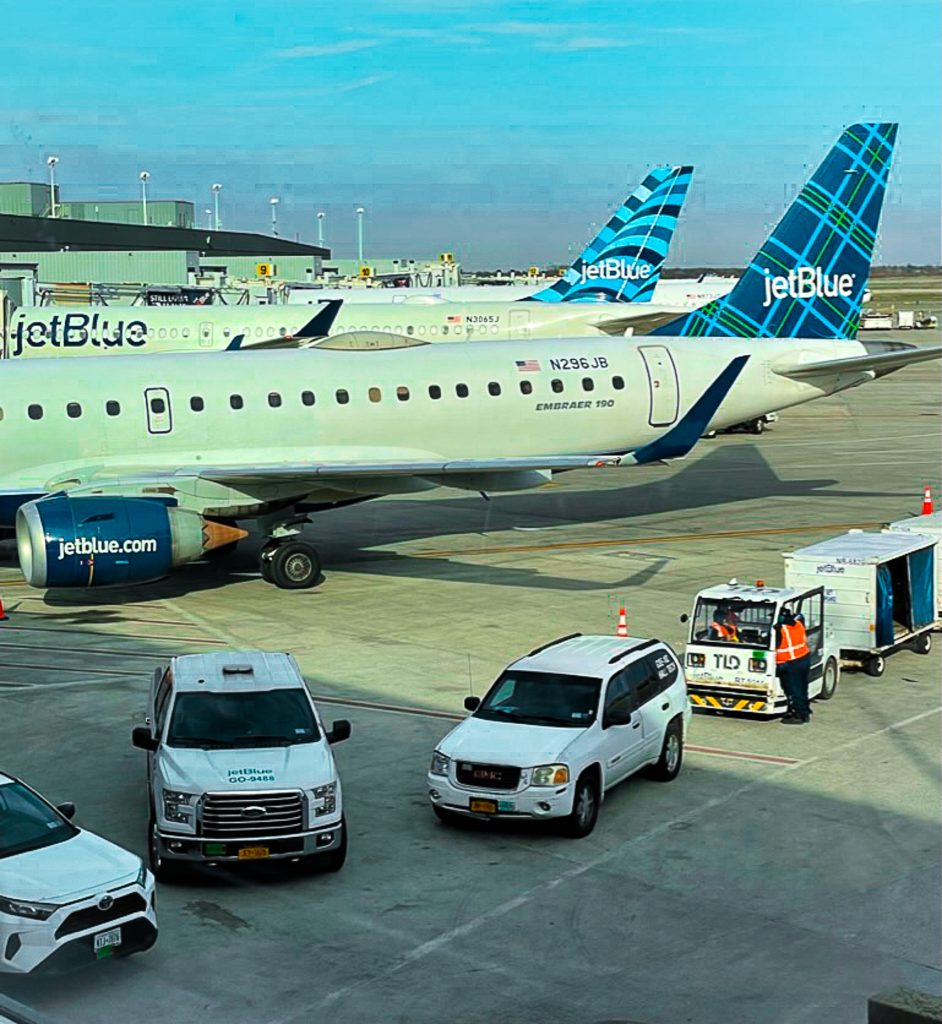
x=320, y=324
x=681, y=438
x=236, y=343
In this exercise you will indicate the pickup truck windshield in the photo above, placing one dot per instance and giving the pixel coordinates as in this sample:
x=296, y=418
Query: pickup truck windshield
x=268, y=718
x=542, y=698
x=29, y=823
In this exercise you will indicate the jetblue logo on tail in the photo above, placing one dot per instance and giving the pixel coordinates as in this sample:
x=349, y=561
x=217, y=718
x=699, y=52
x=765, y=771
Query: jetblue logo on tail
x=807, y=283
x=614, y=270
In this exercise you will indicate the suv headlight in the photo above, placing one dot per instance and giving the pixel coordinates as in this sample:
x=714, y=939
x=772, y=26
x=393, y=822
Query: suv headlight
x=141, y=879
x=550, y=775
x=179, y=806
x=328, y=794
x=23, y=908
x=440, y=764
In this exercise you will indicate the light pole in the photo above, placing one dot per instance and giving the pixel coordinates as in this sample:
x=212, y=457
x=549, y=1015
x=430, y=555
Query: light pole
x=274, y=214
x=216, y=189
x=51, y=162
x=145, y=178
x=320, y=227
x=360, y=212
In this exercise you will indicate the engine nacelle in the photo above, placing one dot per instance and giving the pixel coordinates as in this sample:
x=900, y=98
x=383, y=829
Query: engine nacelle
x=105, y=541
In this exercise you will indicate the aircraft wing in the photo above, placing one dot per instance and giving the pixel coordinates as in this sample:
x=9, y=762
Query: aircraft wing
x=880, y=362
x=638, y=323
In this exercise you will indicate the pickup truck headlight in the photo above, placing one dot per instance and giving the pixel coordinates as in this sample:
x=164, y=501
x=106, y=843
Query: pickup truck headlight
x=327, y=793
x=179, y=806
x=440, y=765
x=23, y=908
x=550, y=775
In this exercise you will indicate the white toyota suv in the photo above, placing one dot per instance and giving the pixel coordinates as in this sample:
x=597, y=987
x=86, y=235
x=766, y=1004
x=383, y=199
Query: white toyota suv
x=66, y=895
x=561, y=726
x=239, y=765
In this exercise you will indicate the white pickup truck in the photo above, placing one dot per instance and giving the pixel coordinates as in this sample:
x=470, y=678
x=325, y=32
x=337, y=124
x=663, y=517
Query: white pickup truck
x=239, y=766
x=561, y=726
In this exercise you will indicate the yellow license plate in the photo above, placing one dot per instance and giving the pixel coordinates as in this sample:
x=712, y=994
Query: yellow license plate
x=484, y=806
x=254, y=853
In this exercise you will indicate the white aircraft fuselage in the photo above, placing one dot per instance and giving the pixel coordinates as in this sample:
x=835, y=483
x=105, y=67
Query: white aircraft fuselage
x=99, y=426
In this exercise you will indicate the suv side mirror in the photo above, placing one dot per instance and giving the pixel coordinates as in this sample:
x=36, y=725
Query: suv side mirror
x=685, y=617
x=472, y=703
x=142, y=737
x=339, y=731
x=67, y=810
x=616, y=716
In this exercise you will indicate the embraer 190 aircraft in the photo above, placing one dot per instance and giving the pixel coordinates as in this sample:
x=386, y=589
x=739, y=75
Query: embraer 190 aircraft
x=120, y=470
x=624, y=260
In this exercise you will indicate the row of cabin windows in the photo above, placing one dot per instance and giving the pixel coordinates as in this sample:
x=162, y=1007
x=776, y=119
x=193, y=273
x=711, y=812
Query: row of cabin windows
x=262, y=332
x=342, y=396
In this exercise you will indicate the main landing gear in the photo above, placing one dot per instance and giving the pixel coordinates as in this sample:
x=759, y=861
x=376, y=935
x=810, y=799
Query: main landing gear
x=287, y=562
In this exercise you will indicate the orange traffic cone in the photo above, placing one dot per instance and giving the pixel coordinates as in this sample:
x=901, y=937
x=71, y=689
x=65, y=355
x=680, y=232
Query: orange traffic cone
x=622, y=629
x=3, y=614
x=927, y=501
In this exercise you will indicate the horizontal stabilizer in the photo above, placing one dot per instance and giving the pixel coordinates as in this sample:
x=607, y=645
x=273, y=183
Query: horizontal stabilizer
x=881, y=363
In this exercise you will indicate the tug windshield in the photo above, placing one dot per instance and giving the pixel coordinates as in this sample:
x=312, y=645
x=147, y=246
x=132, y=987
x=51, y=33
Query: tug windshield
x=721, y=621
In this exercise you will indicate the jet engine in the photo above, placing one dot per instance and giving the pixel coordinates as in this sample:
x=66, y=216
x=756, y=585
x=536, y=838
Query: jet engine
x=107, y=541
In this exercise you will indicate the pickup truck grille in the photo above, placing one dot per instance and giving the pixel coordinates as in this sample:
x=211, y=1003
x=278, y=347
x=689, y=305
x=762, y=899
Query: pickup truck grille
x=488, y=776
x=248, y=815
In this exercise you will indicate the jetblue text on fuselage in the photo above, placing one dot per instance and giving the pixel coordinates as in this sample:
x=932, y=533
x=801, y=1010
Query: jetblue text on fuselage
x=74, y=330
x=615, y=270
x=807, y=283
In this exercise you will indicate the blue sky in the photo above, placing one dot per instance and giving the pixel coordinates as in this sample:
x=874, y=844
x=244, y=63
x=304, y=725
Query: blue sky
x=502, y=131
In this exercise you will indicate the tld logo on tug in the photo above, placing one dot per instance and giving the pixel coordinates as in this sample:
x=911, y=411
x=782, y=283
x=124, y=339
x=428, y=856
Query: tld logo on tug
x=807, y=283
x=615, y=270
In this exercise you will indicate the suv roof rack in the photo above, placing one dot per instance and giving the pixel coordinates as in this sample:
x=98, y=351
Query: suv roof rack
x=552, y=643
x=633, y=650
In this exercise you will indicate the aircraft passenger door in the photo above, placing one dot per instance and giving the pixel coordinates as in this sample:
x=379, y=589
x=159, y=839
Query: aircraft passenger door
x=206, y=335
x=519, y=323
x=159, y=416
x=662, y=385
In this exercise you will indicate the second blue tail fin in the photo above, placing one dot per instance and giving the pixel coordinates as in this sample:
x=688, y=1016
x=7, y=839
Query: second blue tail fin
x=808, y=279
x=623, y=262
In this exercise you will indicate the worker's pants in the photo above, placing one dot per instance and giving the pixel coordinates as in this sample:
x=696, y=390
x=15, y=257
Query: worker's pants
x=795, y=677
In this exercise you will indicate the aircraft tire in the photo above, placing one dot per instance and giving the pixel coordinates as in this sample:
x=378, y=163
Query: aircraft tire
x=294, y=566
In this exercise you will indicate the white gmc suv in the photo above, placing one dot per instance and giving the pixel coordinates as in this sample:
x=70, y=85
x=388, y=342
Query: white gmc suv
x=561, y=726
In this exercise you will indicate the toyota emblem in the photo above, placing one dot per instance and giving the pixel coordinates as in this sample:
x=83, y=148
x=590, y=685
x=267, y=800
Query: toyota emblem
x=106, y=902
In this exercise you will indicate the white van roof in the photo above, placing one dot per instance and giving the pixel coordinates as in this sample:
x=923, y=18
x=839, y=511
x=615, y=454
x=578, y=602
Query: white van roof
x=235, y=671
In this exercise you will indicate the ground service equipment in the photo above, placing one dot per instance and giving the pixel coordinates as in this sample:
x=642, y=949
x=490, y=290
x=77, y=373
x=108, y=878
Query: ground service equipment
x=879, y=591
x=738, y=672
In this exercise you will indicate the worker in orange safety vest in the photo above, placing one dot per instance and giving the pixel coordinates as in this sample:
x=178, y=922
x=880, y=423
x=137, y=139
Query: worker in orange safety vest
x=723, y=626
x=793, y=666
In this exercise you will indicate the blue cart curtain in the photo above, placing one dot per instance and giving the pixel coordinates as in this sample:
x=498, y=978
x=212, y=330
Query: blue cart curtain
x=921, y=581
x=884, y=606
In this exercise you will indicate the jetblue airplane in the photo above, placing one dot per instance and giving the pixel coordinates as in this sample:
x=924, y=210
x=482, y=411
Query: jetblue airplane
x=624, y=262
x=116, y=472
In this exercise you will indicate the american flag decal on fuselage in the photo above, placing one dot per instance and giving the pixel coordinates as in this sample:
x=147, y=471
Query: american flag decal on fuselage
x=528, y=365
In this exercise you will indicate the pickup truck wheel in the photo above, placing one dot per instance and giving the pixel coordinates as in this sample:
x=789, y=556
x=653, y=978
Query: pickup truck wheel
x=829, y=680
x=585, y=809
x=667, y=767
x=165, y=871
x=336, y=859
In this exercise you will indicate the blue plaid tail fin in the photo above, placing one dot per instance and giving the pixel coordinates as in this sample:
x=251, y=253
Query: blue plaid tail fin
x=808, y=279
x=623, y=262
